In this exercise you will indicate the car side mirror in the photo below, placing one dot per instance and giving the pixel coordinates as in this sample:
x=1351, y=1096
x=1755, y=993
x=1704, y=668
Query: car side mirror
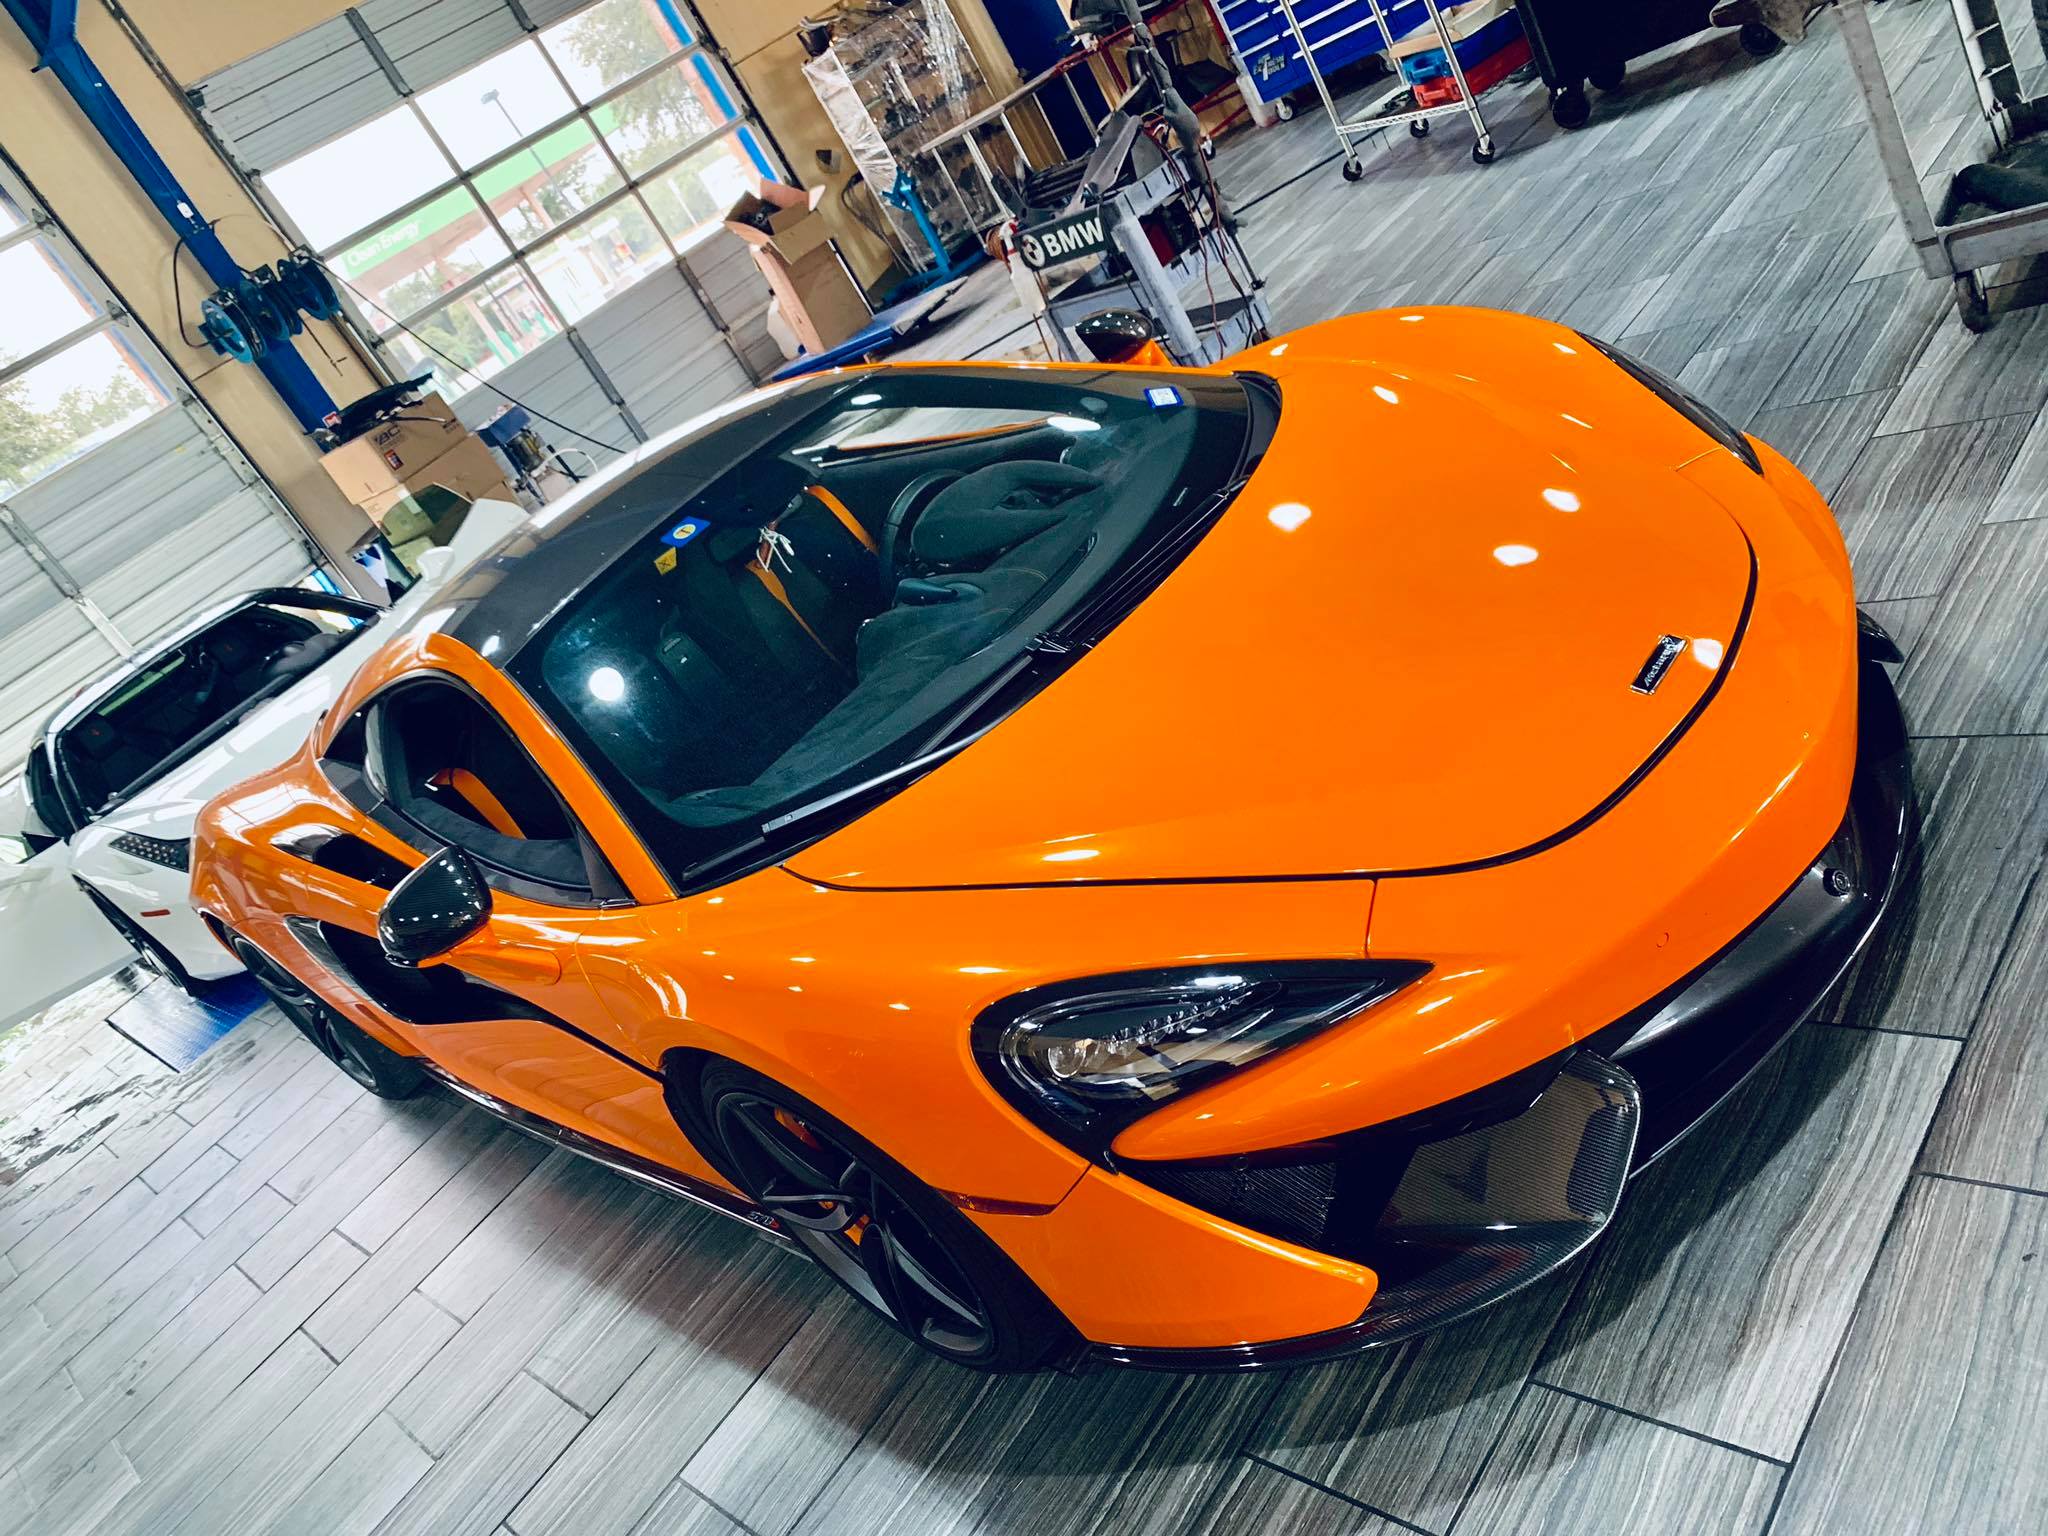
x=433, y=909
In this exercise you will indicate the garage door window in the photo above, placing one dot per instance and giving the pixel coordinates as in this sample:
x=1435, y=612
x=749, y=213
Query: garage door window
x=485, y=213
x=68, y=379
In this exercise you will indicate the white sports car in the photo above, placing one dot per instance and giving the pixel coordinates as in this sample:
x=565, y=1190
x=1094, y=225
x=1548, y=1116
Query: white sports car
x=105, y=804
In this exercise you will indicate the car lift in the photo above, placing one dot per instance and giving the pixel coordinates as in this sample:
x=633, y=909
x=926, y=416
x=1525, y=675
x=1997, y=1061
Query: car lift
x=252, y=316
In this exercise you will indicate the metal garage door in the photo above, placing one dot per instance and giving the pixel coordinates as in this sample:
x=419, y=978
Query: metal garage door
x=123, y=506
x=521, y=197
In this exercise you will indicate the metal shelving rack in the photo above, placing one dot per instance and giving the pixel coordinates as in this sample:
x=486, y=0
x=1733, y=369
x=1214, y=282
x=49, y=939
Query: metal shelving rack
x=1351, y=132
x=892, y=87
x=1957, y=249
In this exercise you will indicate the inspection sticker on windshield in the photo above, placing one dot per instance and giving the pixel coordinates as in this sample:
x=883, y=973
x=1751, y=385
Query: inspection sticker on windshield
x=684, y=531
x=1162, y=397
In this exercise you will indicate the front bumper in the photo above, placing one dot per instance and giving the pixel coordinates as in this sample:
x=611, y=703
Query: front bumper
x=1463, y=1206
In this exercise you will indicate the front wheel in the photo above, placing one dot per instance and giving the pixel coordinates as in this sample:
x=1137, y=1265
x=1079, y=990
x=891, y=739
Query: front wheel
x=371, y=1063
x=155, y=955
x=876, y=1228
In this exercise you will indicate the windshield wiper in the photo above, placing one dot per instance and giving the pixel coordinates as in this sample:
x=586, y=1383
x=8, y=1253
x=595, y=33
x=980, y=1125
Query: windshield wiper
x=867, y=788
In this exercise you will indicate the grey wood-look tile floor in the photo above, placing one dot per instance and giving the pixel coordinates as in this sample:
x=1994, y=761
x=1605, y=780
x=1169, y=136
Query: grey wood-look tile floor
x=251, y=1299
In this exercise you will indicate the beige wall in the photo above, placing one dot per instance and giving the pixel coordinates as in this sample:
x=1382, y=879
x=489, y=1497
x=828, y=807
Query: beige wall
x=98, y=202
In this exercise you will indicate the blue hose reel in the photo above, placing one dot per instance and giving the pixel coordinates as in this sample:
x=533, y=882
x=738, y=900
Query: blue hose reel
x=264, y=309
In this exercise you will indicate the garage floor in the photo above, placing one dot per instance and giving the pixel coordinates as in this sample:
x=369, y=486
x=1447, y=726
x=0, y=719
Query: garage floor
x=248, y=1298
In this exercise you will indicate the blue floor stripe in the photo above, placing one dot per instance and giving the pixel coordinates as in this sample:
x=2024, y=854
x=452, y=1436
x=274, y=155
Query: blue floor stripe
x=177, y=1028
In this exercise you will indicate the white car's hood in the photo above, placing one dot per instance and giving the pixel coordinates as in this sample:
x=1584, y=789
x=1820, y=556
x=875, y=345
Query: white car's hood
x=274, y=731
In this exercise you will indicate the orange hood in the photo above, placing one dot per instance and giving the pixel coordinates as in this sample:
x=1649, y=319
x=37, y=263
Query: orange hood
x=1410, y=643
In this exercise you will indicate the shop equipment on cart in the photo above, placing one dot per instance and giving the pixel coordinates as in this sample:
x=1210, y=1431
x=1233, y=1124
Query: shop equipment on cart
x=1139, y=224
x=1151, y=243
x=1574, y=41
x=1319, y=50
x=1985, y=217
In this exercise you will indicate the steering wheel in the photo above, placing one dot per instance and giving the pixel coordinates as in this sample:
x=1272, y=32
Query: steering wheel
x=907, y=508
x=208, y=680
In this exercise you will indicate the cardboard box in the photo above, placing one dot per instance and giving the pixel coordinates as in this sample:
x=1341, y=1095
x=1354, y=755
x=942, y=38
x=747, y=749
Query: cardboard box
x=792, y=246
x=389, y=452
x=467, y=469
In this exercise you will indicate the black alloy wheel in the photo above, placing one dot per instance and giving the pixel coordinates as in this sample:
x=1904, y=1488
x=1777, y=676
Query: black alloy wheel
x=877, y=1229
x=371, y=1065
x=849, y=1220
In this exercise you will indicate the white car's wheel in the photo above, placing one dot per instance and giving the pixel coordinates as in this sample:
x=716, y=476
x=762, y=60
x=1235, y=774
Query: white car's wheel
x=156, y=956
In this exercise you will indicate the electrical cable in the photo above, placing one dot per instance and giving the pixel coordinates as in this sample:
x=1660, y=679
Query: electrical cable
x=178, y=290
x=533, y=411
x=872, y=225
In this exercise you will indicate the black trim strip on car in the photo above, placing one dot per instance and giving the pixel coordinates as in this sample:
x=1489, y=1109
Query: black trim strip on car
x=505, y=1005
x=642, y=1170
x=1541, y=845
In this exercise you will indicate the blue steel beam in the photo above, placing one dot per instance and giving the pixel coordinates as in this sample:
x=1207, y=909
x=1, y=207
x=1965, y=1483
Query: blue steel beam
x=52, y=29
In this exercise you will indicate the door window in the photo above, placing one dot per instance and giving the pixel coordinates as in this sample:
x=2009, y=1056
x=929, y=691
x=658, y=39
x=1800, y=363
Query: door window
x=445, y=764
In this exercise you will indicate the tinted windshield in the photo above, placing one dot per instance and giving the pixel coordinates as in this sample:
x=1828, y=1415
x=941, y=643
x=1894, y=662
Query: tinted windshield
x=824, y=608
x=187, y=694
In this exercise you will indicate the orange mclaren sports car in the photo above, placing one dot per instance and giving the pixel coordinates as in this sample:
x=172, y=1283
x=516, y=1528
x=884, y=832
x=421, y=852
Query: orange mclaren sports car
x=1184, y=868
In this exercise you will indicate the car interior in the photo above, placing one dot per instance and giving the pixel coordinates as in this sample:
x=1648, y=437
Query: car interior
x=182, y=697
x=776, y=631
x=445, y=763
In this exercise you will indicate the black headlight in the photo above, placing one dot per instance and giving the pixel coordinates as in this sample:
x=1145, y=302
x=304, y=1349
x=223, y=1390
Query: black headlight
x=155, y=850
x=1681, y=400
x=1084, y=1059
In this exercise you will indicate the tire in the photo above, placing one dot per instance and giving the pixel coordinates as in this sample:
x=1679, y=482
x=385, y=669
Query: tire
x=1285, y=108
x=1973, y=304
x=1758, y=40
x=1353, y=171
x=369, y=1063
x=1483, y=151
x=1569, y=107
x=1419, y=129
x=763, y=1136
x=154, y=954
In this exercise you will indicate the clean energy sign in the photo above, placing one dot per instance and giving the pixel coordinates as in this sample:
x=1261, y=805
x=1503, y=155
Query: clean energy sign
x=1049, y=244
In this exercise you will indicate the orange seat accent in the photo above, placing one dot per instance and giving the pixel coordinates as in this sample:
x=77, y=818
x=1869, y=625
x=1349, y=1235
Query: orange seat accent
x=780, y=593
x=481, y=800
x=840, y=510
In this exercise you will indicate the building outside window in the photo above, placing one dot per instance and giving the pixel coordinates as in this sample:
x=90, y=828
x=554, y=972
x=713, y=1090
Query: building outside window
x=478, y=218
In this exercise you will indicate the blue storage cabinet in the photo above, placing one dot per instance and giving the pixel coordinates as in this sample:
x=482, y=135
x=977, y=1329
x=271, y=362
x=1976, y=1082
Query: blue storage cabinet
x=1341, y=32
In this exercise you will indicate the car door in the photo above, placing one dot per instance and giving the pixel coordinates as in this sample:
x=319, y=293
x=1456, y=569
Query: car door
x=52, y=939
x=439, y=768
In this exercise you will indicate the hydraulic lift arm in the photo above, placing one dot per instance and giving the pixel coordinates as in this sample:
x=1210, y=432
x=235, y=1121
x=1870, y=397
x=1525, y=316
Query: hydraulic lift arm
x=52, y=28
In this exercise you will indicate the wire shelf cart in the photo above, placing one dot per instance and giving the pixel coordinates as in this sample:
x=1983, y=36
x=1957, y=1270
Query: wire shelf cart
x=1378, y=36
x=1951, y=241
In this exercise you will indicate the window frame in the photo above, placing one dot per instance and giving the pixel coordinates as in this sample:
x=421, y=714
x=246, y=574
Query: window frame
x=357, y=783
x=698, y=52
x=101, y=316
